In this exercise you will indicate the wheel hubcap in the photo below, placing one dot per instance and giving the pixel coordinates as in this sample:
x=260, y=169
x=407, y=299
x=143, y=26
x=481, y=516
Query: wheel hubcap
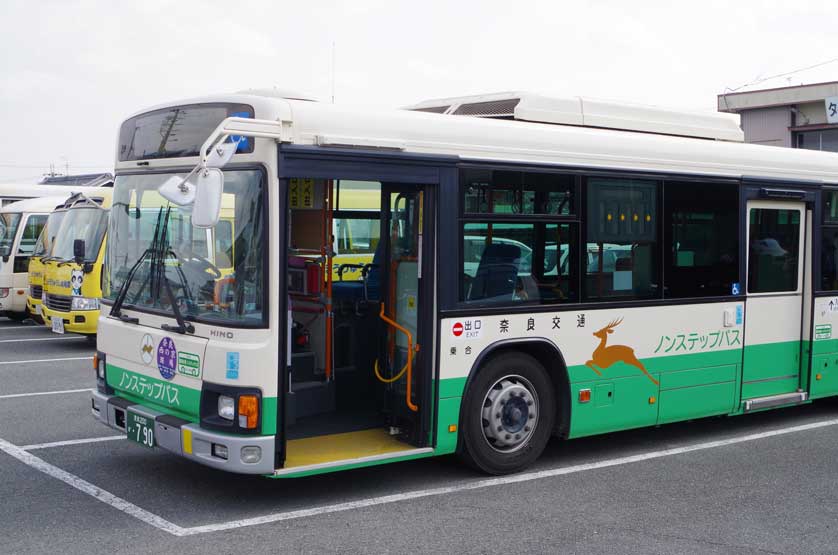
x=510, y=413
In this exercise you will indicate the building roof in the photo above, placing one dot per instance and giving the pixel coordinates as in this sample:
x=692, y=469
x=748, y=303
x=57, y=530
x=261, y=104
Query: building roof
x=736, y=102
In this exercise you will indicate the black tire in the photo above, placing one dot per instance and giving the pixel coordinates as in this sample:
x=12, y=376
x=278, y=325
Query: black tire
x=506, y=376
x=17, y=316
x=91, y=339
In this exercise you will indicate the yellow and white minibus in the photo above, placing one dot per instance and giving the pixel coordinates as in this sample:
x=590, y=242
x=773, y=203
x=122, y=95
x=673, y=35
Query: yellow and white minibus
x=542, y=267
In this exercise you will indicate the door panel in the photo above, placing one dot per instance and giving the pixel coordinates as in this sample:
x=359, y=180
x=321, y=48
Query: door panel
x=773, y=327
x=403, y=298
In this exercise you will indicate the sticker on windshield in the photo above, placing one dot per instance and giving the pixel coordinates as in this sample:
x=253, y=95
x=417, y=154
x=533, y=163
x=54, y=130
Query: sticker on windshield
x=166, y=358
x=189, y=364
x=232, y=366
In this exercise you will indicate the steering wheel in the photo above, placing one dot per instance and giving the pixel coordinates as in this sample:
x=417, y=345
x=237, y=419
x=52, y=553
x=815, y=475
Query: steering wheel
x=205, y=266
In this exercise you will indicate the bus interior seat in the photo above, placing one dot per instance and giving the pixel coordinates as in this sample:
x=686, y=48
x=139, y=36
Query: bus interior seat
x=497, y=272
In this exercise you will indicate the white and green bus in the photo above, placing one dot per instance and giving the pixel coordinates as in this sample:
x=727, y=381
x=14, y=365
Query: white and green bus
x=541, y=267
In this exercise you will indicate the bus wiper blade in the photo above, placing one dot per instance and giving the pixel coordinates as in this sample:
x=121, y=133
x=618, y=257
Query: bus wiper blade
x=182, y=325
x=116, y=309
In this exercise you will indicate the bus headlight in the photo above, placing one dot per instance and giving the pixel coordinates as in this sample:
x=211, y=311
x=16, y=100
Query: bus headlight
x=85, y=303
x=226, y=407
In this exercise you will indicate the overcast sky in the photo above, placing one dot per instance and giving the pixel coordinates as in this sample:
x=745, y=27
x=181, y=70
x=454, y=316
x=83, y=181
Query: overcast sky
x=71, y=71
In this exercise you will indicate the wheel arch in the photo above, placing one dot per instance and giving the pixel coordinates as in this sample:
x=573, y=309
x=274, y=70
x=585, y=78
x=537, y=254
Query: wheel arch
x=548, y=354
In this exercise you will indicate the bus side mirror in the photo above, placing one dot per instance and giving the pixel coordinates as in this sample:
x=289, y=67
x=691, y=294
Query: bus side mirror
x=209, y=187
x=5, y=252
x=78, y=250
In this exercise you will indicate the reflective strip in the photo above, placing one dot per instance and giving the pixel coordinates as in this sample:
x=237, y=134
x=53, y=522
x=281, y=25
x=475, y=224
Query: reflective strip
x=187, y=441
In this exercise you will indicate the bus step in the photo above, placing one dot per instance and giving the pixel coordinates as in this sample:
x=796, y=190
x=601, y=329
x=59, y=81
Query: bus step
x=309, y=399
x=776, y=400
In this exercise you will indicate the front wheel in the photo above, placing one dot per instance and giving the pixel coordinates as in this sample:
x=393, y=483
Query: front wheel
x=17, y=316
x=508, y=414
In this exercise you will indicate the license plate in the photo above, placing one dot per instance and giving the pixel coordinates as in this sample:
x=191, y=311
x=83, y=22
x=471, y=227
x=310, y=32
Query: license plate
x=140, y=429
x=58, y=325
x=39, y=309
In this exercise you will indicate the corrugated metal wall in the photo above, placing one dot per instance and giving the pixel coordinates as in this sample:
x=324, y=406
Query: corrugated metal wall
x=767, y=126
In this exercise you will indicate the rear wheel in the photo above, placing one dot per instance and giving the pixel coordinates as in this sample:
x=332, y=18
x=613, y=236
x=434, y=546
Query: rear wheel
x=91, y=339
x=508, y=414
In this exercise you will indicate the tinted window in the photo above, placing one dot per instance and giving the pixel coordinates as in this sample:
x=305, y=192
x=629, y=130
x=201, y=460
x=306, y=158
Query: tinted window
x=829, y=242
x=622, y=239
x=701, y=234
x=774, y=242
x=511, y=192
x=516, y=262
x=176, y=132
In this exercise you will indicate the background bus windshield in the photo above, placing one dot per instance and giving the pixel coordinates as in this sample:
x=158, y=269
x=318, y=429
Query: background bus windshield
x=8, y=228
x=88, y=224
x=215, y=274
x=49, y=233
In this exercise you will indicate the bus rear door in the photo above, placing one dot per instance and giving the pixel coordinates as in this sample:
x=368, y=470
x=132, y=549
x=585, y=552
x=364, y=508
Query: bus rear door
x=775, y=325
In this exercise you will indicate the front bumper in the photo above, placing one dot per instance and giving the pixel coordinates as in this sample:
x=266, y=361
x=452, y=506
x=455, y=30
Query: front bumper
x=32, y=305
x=76, y=321
x=187, y=439
x=15, y=301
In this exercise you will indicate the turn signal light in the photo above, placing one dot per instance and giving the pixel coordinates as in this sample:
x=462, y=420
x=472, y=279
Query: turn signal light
x=584, y=395
x=248, y=411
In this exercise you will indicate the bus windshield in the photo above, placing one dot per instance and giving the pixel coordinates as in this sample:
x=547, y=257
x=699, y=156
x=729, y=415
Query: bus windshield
x=215, y=275
x=8, y=227
x=88, y=224
x=47, y=237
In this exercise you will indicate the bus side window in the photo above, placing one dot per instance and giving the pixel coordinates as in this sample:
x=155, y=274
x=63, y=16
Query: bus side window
x=622, y=239
x=701, y=238
x=31, y=231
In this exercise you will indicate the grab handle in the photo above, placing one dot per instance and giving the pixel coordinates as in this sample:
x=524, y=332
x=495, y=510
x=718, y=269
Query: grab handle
x=409, y=365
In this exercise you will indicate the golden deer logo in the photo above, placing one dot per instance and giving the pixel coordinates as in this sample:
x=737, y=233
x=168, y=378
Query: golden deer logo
x=603, y=356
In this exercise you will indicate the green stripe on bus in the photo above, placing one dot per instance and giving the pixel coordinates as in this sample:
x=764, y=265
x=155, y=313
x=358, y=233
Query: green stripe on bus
x=160, y=395
x=156, y=394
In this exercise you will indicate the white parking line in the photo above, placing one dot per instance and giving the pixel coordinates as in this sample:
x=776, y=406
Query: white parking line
x=172, y=528
x=7, y=362
x=70, y=442
x=91, y=490
x=65, y=338
x=39, y=393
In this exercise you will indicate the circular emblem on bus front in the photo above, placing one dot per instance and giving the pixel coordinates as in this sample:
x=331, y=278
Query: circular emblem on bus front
x=147, y=349
x=166, y=358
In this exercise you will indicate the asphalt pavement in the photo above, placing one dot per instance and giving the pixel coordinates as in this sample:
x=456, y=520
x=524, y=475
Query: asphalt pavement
x=761, y=483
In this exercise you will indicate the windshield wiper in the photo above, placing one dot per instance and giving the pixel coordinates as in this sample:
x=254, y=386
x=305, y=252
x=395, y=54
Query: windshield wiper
x=182, y=325
x=116, y=309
